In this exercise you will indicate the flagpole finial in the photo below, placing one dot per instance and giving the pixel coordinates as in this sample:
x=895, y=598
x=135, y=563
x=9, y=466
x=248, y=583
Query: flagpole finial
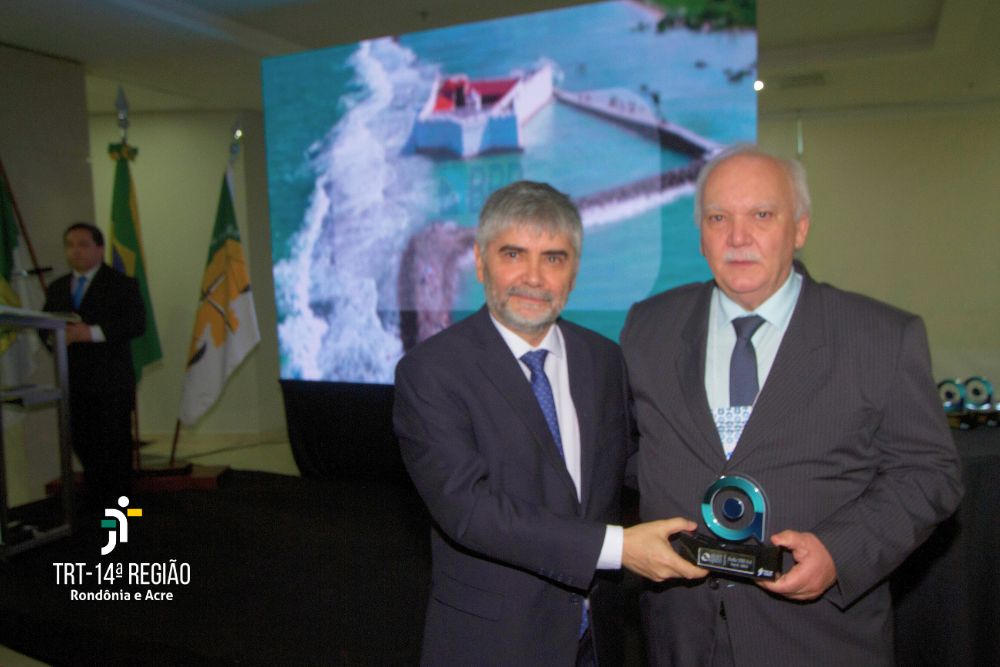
x=234, y=145
x=121, y=103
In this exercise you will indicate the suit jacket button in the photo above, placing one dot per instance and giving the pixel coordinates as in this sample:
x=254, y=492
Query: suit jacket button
x=713, y=583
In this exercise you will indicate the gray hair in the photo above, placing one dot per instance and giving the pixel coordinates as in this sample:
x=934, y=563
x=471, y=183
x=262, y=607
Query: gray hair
x=793, y=169
x=536, y=205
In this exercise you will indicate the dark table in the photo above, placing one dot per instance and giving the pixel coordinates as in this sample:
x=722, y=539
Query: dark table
x=947, y=594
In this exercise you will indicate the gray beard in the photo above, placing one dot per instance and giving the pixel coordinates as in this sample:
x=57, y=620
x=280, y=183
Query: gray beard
x=529, y=327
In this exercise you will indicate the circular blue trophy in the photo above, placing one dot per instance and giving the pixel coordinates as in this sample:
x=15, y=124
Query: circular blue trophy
x=734, y=509
x=979, y=401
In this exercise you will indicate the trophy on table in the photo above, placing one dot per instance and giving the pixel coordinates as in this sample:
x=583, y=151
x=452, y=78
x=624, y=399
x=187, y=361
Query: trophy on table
x=979, y=401
x=734, y=509
x=952, y=395
x=969, y=403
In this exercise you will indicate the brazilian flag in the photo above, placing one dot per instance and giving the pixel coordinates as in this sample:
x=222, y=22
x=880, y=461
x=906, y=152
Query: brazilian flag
x=126, y=251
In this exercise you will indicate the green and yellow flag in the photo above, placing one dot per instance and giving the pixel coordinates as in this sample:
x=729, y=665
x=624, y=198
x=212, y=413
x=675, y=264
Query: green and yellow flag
x=8, y=246
x=8, y=231
x=126, y=251
x=225, y=327
x=18, y=289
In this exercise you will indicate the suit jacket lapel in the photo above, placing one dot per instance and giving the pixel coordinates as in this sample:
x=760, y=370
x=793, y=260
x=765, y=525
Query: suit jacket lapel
x=62, y=296
x=93, y=289
x=585, y=401
x=504, y=371
x=799, y=367
x=691, y=374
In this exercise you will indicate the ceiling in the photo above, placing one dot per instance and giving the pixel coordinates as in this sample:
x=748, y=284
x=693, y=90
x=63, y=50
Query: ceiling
x=815, y=56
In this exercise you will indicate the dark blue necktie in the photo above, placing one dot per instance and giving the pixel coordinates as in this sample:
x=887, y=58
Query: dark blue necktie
x=81, y=284
x=743, y=364
x=535, y=361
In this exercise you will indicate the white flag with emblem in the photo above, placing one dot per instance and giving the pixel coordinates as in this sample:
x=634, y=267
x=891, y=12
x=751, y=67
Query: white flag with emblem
x=225, y=328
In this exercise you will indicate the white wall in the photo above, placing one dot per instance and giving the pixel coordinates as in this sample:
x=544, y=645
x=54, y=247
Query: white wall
x=177, y=176
x=905, y=210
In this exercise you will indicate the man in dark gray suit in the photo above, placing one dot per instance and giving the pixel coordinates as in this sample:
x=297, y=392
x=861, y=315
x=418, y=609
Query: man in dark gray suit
x=101, y=377
x=514, y=427
x=846, y=436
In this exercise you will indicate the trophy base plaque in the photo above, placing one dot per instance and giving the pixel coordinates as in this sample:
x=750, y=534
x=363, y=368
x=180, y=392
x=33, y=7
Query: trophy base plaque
x=754, y=561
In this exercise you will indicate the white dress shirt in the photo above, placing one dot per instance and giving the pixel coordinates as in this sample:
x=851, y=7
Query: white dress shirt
x=96, y=332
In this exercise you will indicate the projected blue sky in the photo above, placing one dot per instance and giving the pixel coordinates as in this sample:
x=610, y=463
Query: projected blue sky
x=381, y=153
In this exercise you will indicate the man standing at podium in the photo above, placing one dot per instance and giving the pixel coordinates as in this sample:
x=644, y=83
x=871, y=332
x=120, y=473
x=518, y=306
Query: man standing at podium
x=101, y=377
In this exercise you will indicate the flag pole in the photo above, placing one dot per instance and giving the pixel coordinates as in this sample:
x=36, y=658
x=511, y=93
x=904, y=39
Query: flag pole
x=234, y=145
x=36, y=269
x=121, y=106
x=236, y=134
x=173, y=447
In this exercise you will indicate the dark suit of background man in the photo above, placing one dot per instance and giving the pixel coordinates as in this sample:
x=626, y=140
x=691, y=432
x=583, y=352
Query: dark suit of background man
x=846, y=437
x=101, y=377
x=525, y=499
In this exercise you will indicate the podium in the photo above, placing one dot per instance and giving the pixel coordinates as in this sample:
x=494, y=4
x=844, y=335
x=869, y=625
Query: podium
x=14, y=539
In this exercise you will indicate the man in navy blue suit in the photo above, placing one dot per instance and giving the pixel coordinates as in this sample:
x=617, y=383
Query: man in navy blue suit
x=101, y=377
x=514, y=427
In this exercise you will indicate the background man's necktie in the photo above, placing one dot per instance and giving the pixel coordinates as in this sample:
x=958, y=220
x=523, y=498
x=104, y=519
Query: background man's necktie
x=743, y=364
x=81, y=284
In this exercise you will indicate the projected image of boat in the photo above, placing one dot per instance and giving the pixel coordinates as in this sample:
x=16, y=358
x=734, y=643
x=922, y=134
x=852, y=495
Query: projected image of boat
x=466, y=117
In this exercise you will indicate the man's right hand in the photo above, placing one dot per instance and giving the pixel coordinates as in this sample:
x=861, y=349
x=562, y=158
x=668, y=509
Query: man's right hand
x=77, y=332
x=648, y=553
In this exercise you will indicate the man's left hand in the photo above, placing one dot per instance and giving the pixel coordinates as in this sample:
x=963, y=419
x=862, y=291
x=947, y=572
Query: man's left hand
x=77, y=332
x=814, y=570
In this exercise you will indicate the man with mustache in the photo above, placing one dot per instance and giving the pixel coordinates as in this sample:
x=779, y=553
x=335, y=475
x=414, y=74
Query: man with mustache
x=822, y=397
x=514, y=427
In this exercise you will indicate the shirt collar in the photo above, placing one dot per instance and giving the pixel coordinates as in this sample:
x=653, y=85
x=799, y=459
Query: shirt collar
x=553, y=341
x=777, y=310
x=89, y=275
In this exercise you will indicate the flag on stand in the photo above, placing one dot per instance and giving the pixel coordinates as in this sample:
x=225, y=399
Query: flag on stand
x=225, y=327
x=17, y=288
x=8, y=245
x=126, y=252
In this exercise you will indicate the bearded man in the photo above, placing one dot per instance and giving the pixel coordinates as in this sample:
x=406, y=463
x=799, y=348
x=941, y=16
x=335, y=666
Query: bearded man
x=514, y=427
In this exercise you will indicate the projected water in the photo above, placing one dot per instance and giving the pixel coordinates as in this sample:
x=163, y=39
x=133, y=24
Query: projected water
x=381, y=153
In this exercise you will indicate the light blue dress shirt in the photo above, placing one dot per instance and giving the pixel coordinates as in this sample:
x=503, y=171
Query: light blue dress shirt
x=777, y=313
x=96, y=332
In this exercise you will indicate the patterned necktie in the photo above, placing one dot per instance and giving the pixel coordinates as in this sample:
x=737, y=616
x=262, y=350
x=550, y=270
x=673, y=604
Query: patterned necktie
x=81, y=284
x=743, y=386
x=535, y=360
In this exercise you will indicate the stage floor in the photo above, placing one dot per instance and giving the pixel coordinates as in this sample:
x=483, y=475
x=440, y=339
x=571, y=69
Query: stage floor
x=283, y=570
